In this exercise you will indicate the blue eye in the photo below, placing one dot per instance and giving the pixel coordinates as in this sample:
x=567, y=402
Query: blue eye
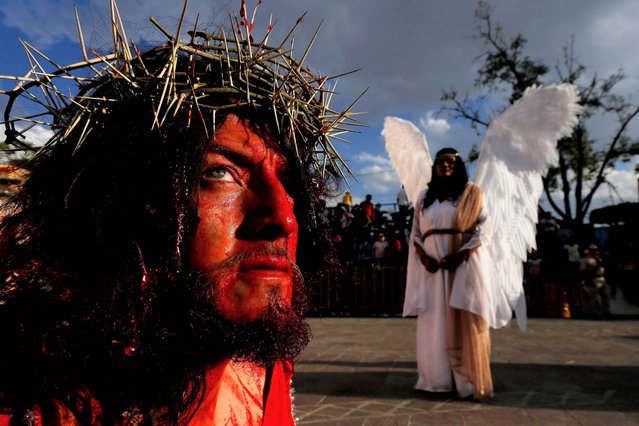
x=219, y=173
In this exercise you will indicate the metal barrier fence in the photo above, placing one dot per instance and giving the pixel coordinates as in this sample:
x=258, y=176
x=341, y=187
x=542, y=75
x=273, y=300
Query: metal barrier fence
x=362, y=290
x=369, y=291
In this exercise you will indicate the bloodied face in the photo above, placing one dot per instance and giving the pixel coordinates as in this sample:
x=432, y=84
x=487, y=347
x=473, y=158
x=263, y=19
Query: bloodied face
x=246, y=240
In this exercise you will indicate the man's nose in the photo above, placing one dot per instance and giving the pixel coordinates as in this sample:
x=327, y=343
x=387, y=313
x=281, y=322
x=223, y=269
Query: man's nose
x=270, y=213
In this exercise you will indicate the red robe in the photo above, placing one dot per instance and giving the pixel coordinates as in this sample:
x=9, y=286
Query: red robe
x=236, y=399
x=234, y=396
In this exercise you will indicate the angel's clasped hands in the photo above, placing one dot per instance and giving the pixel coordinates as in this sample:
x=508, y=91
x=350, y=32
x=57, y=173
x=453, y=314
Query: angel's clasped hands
x=449, y=262
x=431, y=264
x=453, y=260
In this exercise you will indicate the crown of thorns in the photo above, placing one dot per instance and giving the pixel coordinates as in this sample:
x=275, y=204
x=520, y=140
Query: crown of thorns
x=191, y=76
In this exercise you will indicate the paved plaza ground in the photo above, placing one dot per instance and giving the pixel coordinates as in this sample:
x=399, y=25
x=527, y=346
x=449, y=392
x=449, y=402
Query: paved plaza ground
x=361, y=371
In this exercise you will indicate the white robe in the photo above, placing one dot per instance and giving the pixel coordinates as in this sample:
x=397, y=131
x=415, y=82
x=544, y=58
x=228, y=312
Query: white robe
x=428, y=294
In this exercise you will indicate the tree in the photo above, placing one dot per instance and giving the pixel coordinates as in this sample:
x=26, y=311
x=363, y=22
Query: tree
x=584, y=163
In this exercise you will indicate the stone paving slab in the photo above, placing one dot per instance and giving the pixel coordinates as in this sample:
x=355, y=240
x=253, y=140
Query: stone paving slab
x=361, y=371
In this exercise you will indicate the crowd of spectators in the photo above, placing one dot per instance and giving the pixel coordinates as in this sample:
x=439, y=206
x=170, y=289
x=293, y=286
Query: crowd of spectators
x=366, y=234
x=569, y=269
x=585, y=272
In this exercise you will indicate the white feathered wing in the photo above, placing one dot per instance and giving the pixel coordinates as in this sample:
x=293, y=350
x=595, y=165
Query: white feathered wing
x=517, y=150
x=408, y=150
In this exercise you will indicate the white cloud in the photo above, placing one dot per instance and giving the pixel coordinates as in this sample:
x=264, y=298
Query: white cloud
x=617, y=25
x=364, y=156
x=613, y=34
x=622, y=188
x=42, y=21
x=35, y=137
x=433, y=124
x=38, y=135
x=378, y=178
x=407, y=80
x=378, y=174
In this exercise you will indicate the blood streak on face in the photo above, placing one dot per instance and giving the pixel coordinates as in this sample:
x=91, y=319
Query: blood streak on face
x=246, y=240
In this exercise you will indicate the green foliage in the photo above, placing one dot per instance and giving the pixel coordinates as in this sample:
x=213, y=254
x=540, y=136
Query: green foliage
x=582, y=159
x=504, y=62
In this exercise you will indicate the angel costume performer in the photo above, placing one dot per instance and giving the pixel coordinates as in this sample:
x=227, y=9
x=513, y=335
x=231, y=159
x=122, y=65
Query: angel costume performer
x=468, y=240
x=448, y=287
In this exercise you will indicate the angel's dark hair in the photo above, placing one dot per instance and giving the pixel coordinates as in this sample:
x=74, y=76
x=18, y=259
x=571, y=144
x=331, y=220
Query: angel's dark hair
x=443, y=188
x=94, y=244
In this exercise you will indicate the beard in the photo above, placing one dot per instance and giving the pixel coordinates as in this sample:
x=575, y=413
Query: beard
x=193, y=329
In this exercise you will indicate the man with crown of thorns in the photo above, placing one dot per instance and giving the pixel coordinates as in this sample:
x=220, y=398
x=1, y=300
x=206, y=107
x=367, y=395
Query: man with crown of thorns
x=157, y=259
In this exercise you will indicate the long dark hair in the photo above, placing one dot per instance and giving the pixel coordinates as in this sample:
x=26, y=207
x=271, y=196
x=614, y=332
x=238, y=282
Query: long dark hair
x=94, y=249
x=450, y=187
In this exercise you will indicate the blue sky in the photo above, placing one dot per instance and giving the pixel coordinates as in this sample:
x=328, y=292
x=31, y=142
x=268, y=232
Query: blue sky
x=408, y=52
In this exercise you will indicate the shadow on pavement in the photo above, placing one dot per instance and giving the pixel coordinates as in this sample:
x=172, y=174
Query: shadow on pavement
x=568, y=387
